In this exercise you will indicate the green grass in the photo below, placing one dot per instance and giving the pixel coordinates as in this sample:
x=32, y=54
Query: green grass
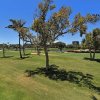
x=14, y=85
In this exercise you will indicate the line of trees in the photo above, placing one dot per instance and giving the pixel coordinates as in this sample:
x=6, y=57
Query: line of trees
x=92, y=42
x=49, y=29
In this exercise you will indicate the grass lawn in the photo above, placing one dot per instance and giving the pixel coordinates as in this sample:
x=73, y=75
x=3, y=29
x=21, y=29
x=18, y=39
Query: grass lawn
x=14, y=85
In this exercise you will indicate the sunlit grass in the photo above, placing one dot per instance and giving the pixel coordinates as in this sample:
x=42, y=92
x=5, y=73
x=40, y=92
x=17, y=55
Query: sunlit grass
x=14, y=85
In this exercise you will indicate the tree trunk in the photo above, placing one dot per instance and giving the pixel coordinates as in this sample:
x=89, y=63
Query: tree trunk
x=20, y=47
x=46, y=56
x=3, y=51
x=94, y=54
x=38, y=51
x=61, y=50
x=23, y=48
x=90, y=53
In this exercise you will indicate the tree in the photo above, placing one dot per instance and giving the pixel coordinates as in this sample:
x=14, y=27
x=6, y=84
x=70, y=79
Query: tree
x=80, y=22
x=92, y=42
x=83, y=45
x=3, y=49
x=18, y=26
x=75, y=44
x=34, y=40
x=89, y=43
x=57, y=24
x=51, y=29
x=60, y=45
x=96, y=40
x=24, y=36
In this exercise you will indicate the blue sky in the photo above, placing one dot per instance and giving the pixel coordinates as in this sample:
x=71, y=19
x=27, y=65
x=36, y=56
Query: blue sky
x=25, y=9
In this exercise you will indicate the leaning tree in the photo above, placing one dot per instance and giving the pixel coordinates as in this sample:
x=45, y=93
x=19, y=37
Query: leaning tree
x=18, y=25
x=58, y=24
x=24, y=37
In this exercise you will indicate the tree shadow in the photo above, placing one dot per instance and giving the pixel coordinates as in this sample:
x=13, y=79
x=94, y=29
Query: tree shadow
x=97, y=60
x=93, y=97
x=7, y=57
x=27, y=54
x=54, y=73
x=24, y=57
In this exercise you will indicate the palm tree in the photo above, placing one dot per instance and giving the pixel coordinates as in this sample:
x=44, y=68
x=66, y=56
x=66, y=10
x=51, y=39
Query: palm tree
x=17, y=25
x=24, y=32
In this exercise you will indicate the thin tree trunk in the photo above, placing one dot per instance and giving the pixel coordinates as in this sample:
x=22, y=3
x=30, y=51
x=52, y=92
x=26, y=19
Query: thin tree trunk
x=20, y=47
x=90, y=53
x=38, y=51
x=3, y=51
x=94, y=54
x=23, y=48
x=46, y=56
x=61, y=50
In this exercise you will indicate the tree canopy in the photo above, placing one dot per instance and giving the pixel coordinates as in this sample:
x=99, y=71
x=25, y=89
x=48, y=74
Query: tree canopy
x=58, y=24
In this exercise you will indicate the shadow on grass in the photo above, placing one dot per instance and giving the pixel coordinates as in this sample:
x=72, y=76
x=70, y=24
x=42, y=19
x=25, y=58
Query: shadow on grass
x=27, y=54
x=93, y=97
x=24, y=57
x=7, y=57
x=54, y=73
x=97, y=60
